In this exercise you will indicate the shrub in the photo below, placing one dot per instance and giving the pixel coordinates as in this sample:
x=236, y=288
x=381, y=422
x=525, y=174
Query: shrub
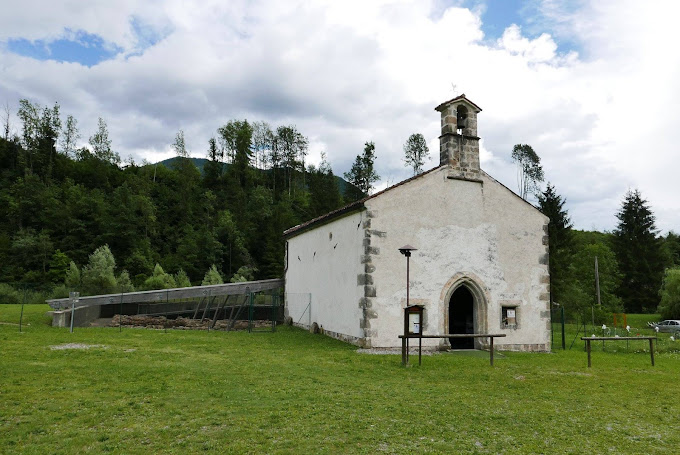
x=60, y=291
x=9, y=295
x=159, y=280
x=244, y=273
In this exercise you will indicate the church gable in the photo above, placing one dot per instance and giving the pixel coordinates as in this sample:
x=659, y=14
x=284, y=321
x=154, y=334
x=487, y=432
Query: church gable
x=480, y=264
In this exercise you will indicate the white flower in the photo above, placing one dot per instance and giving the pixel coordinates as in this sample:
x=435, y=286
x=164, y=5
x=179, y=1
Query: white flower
x=604, y=327
x=657, y=329
x=672, y=338
x=628, y=328
x=594, y=335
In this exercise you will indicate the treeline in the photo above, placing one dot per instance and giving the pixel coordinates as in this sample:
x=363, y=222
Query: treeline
x=639, y=270
x=59, y=204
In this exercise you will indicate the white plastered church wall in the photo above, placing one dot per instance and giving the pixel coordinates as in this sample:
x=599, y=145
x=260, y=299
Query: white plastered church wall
x=480, y=232
x=325, y=263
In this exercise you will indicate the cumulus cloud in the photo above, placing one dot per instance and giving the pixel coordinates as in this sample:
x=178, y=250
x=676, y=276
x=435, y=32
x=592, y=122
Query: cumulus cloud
x=350, y=72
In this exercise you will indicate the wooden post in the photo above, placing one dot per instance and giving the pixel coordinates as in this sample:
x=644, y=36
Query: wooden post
x=407, y=349
x=403, y=350
x=420, y=346
x=588, y=349
x=651, y=349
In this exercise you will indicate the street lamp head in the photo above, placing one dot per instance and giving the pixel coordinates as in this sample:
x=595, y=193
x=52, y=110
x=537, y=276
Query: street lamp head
x=406, y=250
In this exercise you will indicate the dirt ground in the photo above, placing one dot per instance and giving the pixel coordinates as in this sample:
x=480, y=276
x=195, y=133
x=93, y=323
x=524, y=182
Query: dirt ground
x=161, y=322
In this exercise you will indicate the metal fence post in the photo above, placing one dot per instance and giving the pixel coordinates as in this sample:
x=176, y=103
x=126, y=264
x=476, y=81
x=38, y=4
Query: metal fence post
x=564, y=343
x=74, y=299
x=21, y=318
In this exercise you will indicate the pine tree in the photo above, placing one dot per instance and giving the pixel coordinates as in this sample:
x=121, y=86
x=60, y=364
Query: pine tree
x=638, y=250
x=560, y=240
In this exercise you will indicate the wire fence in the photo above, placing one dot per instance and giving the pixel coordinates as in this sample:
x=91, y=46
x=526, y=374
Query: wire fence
x=569, y=327
x=251, y=311
x=299, y=309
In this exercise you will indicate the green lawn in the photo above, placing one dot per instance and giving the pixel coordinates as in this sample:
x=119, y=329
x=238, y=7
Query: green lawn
x=146, y=391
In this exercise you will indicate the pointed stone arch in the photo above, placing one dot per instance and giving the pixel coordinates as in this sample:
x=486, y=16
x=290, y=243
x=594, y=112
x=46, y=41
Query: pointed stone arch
x=481, y=300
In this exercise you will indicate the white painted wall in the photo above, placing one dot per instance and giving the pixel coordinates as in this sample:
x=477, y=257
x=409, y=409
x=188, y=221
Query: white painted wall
x=325, y=262
x=460, y=228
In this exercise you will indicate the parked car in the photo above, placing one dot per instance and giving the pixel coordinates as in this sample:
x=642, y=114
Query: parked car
x=668, y=326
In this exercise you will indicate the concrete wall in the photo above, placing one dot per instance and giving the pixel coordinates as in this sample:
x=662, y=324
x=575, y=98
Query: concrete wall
x=82, y=316
x=477, y=233
x=326, y=262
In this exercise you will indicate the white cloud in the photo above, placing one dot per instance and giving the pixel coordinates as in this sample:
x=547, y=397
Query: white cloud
x=349, y=72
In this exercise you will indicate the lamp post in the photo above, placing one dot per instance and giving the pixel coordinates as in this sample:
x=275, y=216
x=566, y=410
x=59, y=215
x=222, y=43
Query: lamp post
x=406, y=251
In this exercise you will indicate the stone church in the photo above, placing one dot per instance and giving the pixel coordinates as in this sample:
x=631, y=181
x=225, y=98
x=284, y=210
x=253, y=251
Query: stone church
x=481, y=264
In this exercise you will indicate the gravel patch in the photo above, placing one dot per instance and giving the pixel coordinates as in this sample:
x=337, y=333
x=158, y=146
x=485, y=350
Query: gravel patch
x=61, y=347
x=392, y=351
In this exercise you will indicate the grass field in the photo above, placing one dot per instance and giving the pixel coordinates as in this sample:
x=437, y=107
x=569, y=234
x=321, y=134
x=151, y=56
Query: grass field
x=151, y=391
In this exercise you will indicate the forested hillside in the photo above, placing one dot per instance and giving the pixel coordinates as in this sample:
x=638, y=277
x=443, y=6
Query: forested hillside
x=59, y=204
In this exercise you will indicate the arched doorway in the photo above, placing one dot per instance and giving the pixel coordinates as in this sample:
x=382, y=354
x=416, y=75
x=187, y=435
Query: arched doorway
x=462, y=317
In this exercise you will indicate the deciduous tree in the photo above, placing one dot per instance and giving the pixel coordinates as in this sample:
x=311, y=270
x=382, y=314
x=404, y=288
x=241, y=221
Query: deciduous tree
x=669, y=308
x=69, y=137
x=98, y=275
x=415, y=152
x=101, y=144
x=362, y=174
x=529, y=169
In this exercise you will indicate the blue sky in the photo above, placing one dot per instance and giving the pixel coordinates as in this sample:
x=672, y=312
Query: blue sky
x=88, y=49
x=79, y=47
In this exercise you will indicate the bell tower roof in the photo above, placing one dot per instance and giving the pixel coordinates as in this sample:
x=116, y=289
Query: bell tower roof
x=460, y=99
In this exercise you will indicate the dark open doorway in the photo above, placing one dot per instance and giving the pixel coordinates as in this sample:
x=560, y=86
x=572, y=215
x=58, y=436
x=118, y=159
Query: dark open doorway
x=461, y=318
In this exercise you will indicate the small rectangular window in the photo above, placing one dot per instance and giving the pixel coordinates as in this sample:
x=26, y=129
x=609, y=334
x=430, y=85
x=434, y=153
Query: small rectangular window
x=509, y=317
